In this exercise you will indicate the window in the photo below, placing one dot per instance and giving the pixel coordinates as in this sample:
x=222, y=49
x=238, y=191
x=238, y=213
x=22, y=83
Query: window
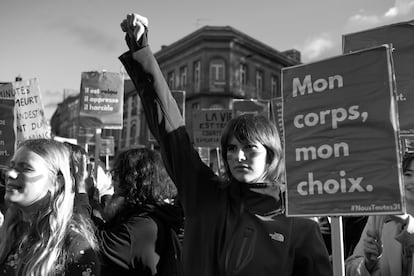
x=243, y=76
x=183, y=77
x=259, y=84
x=171, y=79
x=133, y=132
x=125, y=111
x=195, y=106
x=217, y=72
x=197, y=75
x=123, y=135
x=133, y=129
x=273, y=87
x=134, y=106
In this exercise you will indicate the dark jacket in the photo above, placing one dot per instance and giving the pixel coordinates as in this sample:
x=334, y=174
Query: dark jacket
x=229, y=230
x=136, y=242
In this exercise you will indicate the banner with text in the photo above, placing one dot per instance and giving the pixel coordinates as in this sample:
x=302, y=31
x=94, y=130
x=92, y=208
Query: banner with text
x=341, y=143
x=7, y=137
x=30, y=119
x=101, y=100
x=401, y=36
x=208, y=124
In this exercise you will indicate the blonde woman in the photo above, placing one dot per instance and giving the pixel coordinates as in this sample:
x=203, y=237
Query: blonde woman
x=44, y=236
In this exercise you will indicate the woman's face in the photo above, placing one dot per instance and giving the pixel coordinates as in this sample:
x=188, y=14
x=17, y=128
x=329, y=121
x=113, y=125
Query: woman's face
x=409, y=183
x=28, y=180
x=247, y=162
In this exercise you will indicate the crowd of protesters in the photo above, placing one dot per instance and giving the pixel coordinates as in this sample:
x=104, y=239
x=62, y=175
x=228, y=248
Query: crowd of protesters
x=59, y=217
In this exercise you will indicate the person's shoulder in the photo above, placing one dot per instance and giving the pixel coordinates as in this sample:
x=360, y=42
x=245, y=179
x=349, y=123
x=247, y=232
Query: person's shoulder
x=77, y=242
x=141, y=222
x=82, y=257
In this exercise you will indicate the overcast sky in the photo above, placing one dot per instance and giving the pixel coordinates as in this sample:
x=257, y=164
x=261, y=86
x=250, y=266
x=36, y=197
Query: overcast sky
x=55, y=40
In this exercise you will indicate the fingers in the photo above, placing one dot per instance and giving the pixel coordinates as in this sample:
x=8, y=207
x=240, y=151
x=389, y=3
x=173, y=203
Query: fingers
x=132, y=20
x=134, y=25
x=139, y=18
x=124, y=25
x=372, y=246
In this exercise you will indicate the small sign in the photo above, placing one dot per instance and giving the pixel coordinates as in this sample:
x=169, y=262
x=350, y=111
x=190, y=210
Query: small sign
x=101, y=100
x=107, y=146
x=208, y=125
x=29, y=115
x=7, y=136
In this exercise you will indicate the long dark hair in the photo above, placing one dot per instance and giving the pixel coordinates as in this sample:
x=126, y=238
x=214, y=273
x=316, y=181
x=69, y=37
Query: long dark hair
x=138, y=172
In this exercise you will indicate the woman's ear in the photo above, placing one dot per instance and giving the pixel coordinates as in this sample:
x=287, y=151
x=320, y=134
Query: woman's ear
x=58, y=185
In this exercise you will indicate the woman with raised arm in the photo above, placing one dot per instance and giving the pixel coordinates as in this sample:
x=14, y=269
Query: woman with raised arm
x=235, y=225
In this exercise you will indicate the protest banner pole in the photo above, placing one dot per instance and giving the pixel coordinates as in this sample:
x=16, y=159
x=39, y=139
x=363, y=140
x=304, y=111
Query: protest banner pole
x=218, y=160
x=106, y=161
x=337, y=246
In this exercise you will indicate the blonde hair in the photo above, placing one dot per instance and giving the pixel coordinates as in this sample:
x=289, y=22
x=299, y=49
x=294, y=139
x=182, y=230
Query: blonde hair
x=43, y=244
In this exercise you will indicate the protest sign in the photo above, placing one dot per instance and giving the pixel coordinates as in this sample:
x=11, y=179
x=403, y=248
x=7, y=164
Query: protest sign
x=340, y=134
x=101, y=100
x=86, y=135
x=240, y=106
x=401, y=37
x=7, y=137
x=30, y=120
x=208, y=124
x=107, y=146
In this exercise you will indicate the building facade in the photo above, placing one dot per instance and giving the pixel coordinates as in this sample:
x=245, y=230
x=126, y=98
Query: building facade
x=212, y=66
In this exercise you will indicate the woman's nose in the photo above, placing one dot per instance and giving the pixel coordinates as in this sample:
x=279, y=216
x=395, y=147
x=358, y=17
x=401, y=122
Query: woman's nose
x=12, y=173
x=241, y=155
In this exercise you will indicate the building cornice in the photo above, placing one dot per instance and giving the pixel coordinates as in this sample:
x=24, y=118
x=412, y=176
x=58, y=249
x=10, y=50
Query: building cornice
x=224, y=34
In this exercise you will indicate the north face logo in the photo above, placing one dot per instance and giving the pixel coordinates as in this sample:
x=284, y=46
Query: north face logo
x=277, y=237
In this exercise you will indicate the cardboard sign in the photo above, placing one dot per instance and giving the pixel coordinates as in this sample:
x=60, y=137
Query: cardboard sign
x=101, y=100
x=86, y=136
x=208, y=124
x=7, y=137
x=107, y=146
x=30, y=119
x=401, y=37
x=341, y=142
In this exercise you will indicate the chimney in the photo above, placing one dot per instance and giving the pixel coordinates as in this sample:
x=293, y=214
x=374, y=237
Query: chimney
x=293, y=54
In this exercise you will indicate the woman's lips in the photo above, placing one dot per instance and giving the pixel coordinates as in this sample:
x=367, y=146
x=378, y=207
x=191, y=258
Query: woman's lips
x=10, y=186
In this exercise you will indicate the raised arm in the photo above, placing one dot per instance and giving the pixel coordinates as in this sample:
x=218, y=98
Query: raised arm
x=182, y=162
